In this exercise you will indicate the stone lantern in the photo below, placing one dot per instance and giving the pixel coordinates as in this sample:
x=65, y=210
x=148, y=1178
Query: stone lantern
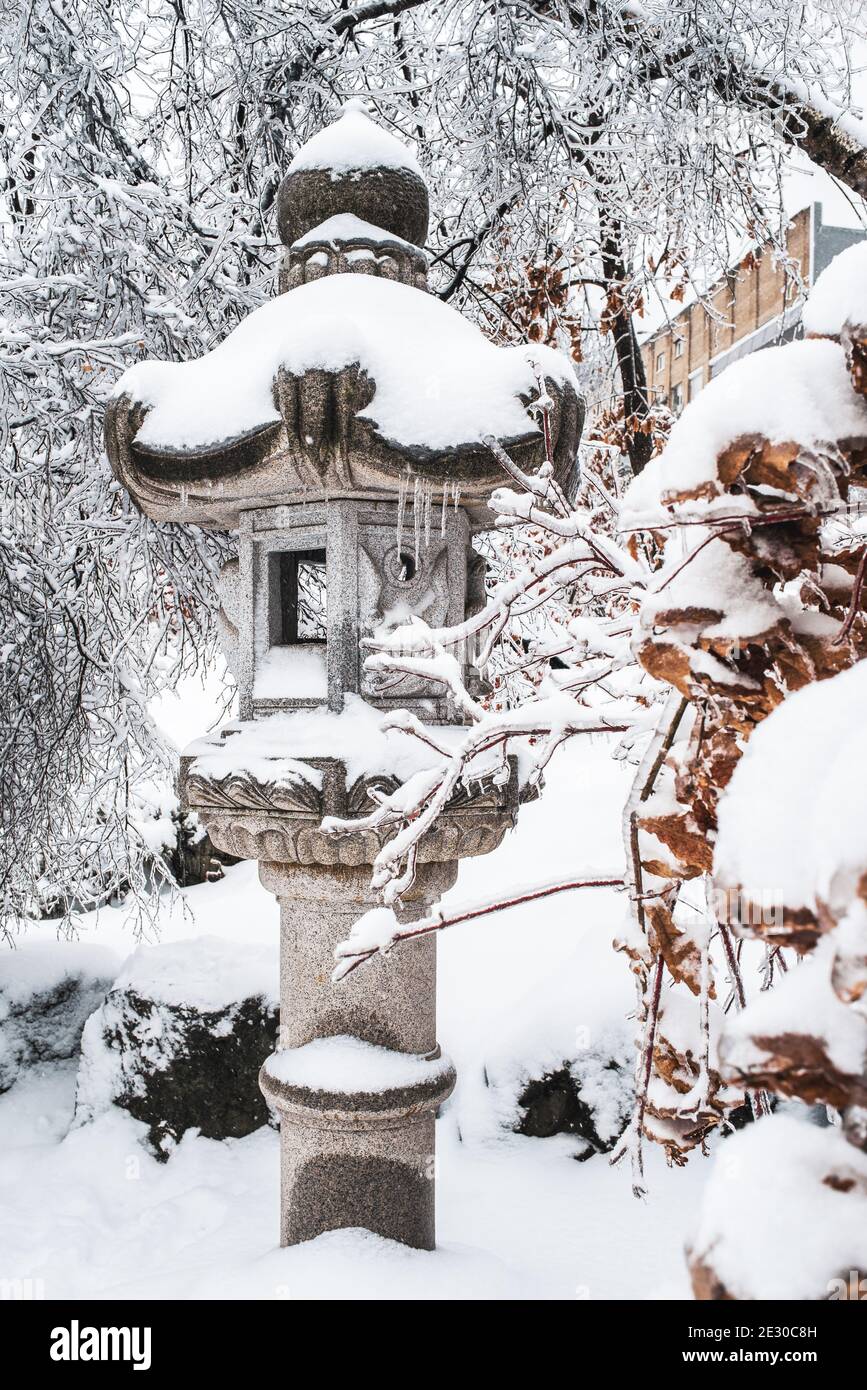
x=339, y=430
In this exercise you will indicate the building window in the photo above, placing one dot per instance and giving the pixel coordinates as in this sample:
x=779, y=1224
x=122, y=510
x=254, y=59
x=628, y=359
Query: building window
x=695, y=383
x=678, y=347
x=660, y=361
x=303, y=597
x=676, y=399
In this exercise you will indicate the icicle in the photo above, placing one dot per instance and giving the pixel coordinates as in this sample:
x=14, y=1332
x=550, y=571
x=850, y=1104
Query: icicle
x=401, y=508
x=416, y=519
x=443, y=516
x=456, y=490
x=428, y=502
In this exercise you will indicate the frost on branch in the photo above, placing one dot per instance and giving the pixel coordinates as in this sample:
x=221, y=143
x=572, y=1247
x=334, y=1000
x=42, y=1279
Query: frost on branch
x=687, y=1096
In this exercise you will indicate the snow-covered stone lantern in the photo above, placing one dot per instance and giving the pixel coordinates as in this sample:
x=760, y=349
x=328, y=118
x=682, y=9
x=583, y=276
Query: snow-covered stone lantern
x=340, y=430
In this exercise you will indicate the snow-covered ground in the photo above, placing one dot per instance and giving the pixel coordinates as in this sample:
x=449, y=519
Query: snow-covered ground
x=88, y=1212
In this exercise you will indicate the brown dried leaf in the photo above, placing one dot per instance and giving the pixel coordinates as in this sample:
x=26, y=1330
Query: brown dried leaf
x=678, y=949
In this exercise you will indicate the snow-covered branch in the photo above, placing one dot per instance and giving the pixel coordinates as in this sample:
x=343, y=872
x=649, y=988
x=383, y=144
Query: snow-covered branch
x=379, y=930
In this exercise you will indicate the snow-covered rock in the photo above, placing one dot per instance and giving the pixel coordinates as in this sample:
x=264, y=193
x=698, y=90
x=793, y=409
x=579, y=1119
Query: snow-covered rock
x=590, y=1096
x=549, y=1076
x=47, y=992
x=180, y=1038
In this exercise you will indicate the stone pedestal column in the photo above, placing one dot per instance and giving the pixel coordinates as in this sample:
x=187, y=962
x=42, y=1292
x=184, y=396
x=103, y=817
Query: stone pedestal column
x=358, y=1075
x=353, y=1157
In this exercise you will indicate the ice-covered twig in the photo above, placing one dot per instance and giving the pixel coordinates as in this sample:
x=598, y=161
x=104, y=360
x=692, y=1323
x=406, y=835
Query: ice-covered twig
x=631, y=1140
x=855, y=604
x=415, y=806
x=379, y=930
x=413, y=650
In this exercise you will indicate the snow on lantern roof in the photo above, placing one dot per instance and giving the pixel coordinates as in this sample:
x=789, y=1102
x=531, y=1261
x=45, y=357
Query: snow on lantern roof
x=352, y=142
x=439, y=383
x=345, y=228
x=353, y=376
x=354, y=166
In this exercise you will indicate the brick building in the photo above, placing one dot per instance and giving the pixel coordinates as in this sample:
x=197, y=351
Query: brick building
x=755, y=309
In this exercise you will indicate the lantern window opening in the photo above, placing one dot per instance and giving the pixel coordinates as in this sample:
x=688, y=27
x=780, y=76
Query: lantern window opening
x=302, y=597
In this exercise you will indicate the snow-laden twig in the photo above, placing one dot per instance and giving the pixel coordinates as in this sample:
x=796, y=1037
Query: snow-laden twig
x=379, y=930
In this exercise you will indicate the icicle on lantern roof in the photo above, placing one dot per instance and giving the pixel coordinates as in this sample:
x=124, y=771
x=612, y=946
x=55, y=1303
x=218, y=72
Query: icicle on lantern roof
x=347, y=380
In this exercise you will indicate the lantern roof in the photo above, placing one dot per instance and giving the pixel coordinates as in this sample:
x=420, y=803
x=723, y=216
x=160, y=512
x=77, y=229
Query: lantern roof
x=438, y=383
x=353, y=378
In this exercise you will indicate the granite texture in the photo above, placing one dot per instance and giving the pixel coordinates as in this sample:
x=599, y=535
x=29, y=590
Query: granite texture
x=357, y=1159
x=381, y=1179
x=394, y=199
x=349, y=1160
x=392, y=1001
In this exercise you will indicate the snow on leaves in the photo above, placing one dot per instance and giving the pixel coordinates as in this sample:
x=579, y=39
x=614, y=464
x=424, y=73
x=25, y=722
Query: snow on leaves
x=762, y=628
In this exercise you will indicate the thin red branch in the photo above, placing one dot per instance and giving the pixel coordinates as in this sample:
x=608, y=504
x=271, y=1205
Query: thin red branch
x=440, y=923
x=687, y=561
x=734, y=523
x=647, y=1069
x=854, y=606
x=758, y=1100
x=734, y=968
